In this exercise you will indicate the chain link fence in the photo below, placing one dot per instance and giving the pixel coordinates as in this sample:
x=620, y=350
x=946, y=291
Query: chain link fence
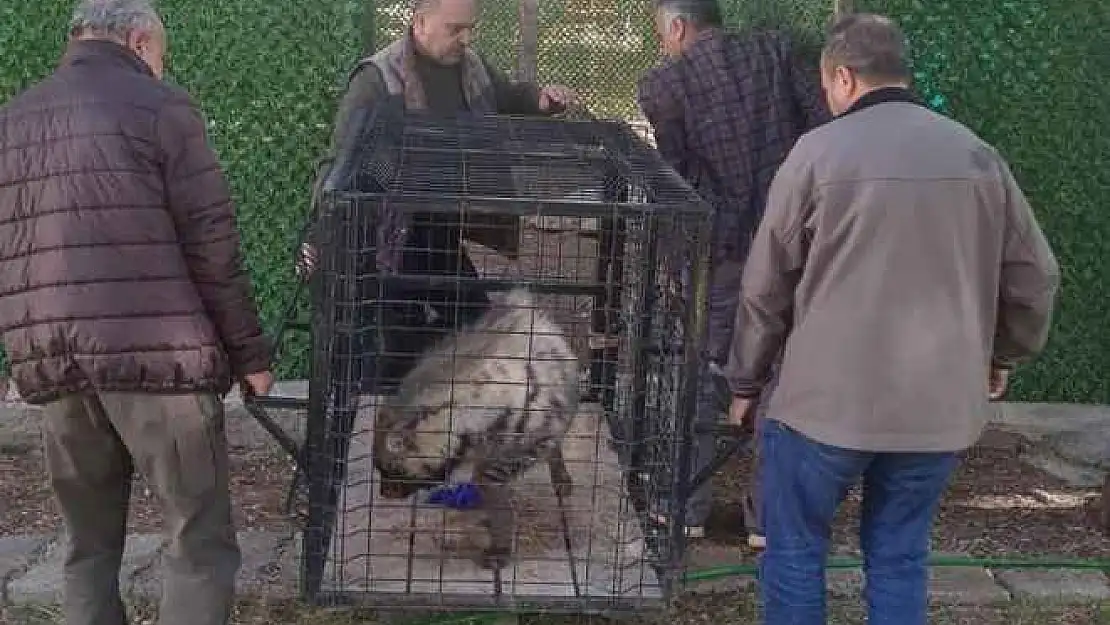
x=1019, y=72
x=598, y=47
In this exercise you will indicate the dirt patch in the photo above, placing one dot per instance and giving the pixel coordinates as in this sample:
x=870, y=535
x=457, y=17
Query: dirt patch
x=259, y=481
x=732, y=609
x=996, y=506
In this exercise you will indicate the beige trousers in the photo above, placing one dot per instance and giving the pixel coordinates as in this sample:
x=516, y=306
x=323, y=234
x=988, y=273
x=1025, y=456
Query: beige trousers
x=93, y=444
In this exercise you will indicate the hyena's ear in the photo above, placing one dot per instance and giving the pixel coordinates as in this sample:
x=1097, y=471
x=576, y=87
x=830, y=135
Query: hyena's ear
x=384, y=417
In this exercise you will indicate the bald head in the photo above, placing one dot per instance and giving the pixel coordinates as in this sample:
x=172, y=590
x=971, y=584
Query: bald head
x=443, y=29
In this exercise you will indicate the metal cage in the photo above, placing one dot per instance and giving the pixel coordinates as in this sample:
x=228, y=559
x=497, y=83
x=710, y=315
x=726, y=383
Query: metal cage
x=614, y=246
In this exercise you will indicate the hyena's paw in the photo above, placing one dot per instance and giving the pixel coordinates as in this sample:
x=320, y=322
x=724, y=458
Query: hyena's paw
x=494, y=558
x=563, y=488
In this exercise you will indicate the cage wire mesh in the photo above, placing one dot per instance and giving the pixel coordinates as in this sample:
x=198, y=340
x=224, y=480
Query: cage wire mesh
x=511, y=304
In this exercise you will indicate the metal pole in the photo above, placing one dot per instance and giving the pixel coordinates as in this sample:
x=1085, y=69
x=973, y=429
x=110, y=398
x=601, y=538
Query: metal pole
x=842, y=7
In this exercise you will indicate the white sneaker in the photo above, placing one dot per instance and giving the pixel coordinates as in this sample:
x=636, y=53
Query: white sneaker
x=755, y=541
x=692, y=531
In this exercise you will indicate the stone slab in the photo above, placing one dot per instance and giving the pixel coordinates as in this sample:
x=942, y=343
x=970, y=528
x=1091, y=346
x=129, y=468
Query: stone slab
x=264, y=571
x=1073, y=474
x=844, y=583
x=1087, y=448
x=947, y=585
x=17, y=553
x=391, y=547
x=139, y=574
x=43, y=582
x=1037, y=420
x=960, y=586
x=1078, y=586
x=702, y=555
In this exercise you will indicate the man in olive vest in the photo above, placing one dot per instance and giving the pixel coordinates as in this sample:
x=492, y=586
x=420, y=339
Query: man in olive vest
x=433, y=67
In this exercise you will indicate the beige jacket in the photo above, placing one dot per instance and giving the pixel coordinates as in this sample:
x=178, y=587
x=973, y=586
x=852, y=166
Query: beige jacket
x=897, y=259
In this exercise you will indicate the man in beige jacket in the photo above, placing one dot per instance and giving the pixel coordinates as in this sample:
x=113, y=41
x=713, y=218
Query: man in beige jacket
x=901, y=273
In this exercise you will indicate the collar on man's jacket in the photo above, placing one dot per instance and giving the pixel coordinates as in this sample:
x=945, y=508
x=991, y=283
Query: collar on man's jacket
x=881, y=95
x=93, y=51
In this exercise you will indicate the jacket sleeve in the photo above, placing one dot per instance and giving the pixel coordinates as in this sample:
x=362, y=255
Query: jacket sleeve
x=199, y=200
x=1029, y=280
x=513, y=97
x=659, y=100
x=774, y=267
x=806, y=88
x=364, y=87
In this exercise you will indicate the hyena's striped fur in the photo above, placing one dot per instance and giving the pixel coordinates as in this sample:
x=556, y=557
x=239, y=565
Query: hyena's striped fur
x=497, y=397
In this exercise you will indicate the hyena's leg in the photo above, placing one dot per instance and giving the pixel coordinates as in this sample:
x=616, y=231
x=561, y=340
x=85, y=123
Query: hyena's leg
x=497, y=503
x=560, y=475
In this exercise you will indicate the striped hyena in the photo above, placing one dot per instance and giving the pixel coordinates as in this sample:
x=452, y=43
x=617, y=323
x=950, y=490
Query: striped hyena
x=496, y=397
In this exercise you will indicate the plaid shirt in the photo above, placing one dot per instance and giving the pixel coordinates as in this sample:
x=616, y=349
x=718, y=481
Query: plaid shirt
x=726, y=113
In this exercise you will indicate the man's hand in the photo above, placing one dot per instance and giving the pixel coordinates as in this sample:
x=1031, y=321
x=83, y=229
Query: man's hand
x=556, y=98
x=741, y=411
x=306, y=261
x=998, y=382
x=257, y=383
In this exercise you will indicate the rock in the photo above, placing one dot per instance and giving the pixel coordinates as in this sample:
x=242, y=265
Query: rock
x=1078, y=586
x=1090, y=447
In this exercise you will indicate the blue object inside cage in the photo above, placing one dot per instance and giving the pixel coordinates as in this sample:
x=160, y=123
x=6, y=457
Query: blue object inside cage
x=460, y=496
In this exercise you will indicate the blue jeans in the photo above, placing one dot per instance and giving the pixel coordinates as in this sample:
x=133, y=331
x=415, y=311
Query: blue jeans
x=803, y=484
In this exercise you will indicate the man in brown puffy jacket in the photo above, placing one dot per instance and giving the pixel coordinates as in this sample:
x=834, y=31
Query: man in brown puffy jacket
x=125, y=310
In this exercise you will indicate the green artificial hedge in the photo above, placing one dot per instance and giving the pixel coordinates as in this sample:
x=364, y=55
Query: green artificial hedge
x=266, y=76
x=1028, y=75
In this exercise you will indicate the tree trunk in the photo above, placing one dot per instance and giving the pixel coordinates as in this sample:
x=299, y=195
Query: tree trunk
x=368, y=26
x=527, y=55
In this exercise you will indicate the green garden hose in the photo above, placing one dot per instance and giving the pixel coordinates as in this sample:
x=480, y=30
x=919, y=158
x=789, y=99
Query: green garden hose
x=738, y=570
x=941, y=562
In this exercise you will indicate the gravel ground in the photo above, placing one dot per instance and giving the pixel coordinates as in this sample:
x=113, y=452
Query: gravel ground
x=258, y=487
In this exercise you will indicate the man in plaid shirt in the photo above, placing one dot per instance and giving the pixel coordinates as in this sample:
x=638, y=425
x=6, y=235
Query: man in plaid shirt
x=726, y=109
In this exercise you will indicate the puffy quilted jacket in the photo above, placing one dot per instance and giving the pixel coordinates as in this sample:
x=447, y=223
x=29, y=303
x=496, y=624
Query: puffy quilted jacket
x=120, y=266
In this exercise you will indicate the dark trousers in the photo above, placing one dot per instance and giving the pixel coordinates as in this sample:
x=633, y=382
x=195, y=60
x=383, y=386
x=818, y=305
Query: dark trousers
x=803, y=484
x=93, y=444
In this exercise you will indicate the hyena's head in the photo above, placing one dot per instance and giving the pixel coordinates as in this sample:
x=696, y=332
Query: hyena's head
x=404, y=467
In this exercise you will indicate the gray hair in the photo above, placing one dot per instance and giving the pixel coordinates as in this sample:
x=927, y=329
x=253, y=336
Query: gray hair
x=872, y=46
x=700, y=13
x=114, y=18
